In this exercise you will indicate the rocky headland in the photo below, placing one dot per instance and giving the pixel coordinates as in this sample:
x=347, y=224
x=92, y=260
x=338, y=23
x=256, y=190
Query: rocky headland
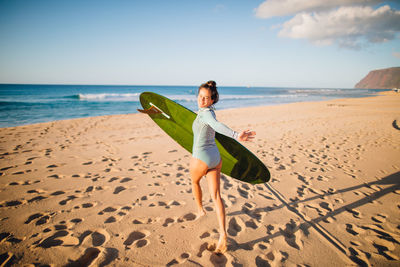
x=381, y=79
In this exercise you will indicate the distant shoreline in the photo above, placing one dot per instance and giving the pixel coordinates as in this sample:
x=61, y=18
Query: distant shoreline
x=384, y=92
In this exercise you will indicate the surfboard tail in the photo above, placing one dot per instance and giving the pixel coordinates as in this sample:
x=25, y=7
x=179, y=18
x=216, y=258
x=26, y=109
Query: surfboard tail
x=153, y=109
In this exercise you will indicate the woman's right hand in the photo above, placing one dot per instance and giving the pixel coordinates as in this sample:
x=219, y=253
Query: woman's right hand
x=246, y=135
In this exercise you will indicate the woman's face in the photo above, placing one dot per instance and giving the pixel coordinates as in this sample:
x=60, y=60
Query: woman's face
x=204, y=98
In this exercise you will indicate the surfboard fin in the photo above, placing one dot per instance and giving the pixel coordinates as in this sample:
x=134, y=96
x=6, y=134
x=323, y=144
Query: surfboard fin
x=153, y=109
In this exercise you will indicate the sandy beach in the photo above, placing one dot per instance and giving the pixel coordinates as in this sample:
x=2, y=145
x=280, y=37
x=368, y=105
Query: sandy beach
x=116, y=191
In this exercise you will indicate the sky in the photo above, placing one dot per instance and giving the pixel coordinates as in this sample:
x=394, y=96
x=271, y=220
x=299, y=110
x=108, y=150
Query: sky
x=272, y=43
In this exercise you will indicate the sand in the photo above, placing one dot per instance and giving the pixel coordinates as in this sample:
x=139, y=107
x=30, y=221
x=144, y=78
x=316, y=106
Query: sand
x=115, y=190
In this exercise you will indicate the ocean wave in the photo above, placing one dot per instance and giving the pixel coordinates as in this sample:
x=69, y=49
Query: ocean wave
x=193, y=98
x=313, y=91
x=109, y=96
x=255, y=97
x=181, y=98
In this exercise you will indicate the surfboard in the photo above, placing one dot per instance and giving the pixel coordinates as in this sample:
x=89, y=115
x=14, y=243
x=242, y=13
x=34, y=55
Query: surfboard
x=176, y=120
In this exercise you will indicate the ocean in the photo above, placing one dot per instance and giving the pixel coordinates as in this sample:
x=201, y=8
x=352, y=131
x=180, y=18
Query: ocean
x=22, y=104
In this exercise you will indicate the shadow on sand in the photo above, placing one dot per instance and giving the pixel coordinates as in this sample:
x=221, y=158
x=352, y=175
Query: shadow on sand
x=392, y=182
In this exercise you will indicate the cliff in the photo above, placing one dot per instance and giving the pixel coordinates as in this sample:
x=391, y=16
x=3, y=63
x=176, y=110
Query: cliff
x=381, y=79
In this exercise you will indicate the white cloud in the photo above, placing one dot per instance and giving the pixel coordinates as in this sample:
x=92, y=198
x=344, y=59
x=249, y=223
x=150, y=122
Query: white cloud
x=396, y=54
x=272, y=8
x=347, y=26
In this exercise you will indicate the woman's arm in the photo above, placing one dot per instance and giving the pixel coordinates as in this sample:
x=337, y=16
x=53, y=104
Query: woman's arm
x=208, y=117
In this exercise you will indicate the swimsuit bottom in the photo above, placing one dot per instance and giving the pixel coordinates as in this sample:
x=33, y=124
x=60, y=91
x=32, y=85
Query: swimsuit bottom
x=209, y=156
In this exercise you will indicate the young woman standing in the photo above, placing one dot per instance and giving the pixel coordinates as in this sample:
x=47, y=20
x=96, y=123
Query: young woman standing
x=206, y=160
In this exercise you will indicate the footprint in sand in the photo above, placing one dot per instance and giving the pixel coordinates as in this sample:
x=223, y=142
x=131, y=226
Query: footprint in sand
x=338, y=200
x=14, y=183
x=353, y=229
x=7, y=237
x=382, y=234
x=119, y=189
x=188, y=217
x=301, y=191
x=76, y=220
x=113, y=179
x=209, y=208
x=273, y=258
x=88, y=205
x=235, y=226
x=108, y=209
x=262, y=260
x=311, y=206
x=111, y=219
x=69, y=198
x=252, y=224
x=292, y=235
x=137, y=238
x=52, y=166
x=42, y=218
x=89, y=256
x=270, y=228
x=327, y=206
x=12, y=203
x=54, y=241
x=180, y=260
x=203, y=247
x=125, y=180
x=204, y=235
x=355, y=213
x=96, y=238
x=143, y=221
x=379, y=218
x=262, y=245
x=303, y=179
x=33, y=217
x=168, y=221
x=359, y=257
x=248, y=208
x=243, y=193
x=6, y=168
x=265, y=195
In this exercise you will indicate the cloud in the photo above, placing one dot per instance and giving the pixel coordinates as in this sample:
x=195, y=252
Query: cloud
x=346, y=26
x=396, y=54
x=347, y=23
x=273, y=8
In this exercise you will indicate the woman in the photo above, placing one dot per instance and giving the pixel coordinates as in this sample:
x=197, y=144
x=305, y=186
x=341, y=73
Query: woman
x=206, y=160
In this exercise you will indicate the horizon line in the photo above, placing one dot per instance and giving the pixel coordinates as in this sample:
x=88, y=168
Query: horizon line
x=244, y=86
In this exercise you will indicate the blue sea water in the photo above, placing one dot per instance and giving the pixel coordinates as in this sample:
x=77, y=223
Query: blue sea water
x=22, y=104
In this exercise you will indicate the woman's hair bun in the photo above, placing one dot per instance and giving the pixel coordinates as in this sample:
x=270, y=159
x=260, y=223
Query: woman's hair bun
x=212, y=84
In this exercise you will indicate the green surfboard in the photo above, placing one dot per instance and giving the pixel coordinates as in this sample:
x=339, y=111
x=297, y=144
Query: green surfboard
x=176, y=120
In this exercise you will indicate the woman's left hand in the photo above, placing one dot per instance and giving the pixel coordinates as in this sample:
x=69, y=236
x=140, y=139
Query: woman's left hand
x=246, y=135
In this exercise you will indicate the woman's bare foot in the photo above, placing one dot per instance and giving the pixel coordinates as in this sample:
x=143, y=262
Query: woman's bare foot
x=201, y=212
x=222, y=245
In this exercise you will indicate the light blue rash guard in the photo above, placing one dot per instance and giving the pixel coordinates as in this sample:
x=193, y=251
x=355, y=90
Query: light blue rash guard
x=204, y=127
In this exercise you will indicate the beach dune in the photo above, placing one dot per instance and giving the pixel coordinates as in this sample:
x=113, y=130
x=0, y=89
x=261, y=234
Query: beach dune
x=116, y=190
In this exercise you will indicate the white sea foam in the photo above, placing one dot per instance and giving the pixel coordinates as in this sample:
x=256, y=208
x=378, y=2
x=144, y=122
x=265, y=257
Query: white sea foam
x=183, y=98
x=312, y=91
x=110, y=96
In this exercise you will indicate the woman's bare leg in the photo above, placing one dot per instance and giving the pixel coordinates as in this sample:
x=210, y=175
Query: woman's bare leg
x=213, y=178
x=197, y=170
